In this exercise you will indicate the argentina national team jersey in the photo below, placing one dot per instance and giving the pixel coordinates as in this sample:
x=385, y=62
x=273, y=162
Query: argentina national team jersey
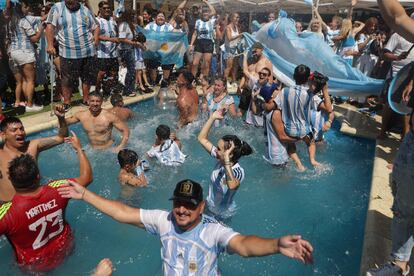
x=20, y=39
x=220, y=199
x=159, y=28
x=107, y=49
x=193, y=252
x=213, y=106
x=74, y=31
x=276, y=151
x=205, y=29
x=296, y=104
x=168, y=153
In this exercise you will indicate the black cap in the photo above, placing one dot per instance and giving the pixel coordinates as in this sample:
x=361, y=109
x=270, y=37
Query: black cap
x=257, y=45
x=189, y=191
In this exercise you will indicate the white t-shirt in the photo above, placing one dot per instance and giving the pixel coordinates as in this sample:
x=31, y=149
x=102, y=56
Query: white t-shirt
x=397, y=45
x=168, y=153
x=193, y=252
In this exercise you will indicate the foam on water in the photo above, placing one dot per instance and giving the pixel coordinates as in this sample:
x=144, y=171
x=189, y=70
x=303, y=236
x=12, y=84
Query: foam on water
x=326, y=205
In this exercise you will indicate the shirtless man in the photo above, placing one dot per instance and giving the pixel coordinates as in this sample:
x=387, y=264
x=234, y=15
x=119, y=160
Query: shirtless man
x=98, y=124
x=259, y=62
x=15, y=144
x=118, y=108
x=187, y=101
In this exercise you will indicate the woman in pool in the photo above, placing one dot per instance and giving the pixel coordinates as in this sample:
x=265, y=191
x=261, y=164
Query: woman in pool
x=216, y=97
x=227, y=174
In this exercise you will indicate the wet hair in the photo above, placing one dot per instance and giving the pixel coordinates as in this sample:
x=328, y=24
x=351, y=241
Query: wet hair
x=163, y=132
x=301, y=74
x=189, y=77
x=127, y=157
x=241, y=148
x=96, y=94
x=116, y=98
x=8, y=121
x=23, y=172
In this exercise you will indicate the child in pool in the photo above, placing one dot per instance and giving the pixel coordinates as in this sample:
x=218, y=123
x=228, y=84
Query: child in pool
x=131, y=173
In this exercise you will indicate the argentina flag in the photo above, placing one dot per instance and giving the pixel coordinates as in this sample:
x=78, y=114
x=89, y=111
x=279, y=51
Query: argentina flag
x=166, y=47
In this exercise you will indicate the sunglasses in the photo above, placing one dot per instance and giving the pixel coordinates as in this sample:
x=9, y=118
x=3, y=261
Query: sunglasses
x=263, y=74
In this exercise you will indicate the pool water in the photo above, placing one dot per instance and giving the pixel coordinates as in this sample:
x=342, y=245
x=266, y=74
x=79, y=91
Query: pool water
x=326, y=206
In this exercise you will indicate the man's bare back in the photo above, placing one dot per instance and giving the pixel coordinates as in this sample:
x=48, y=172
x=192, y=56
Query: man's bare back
x=123, y=113
x=187, y=104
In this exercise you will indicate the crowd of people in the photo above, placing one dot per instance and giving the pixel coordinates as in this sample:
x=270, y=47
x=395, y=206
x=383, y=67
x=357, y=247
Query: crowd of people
x=94, y=48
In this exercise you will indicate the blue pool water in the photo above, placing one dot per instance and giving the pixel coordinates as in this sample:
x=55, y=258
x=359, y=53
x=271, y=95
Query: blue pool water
x=327, y=207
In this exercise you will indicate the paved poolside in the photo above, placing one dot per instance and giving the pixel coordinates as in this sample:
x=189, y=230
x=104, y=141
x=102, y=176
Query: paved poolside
x=377, y=241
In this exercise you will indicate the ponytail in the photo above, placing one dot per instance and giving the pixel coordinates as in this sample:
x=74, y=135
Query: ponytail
x=241, y=148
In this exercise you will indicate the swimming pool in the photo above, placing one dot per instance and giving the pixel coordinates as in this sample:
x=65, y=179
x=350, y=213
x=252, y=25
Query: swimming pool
x=327, y=207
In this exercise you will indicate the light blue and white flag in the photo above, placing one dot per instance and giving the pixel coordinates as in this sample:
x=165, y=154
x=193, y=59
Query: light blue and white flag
x=309, y=2
x=166, y=47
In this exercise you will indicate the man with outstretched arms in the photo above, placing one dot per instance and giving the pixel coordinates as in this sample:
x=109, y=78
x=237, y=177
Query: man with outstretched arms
x=191, y=242
x=98, y=124
x=34, y=220
x=15, y=144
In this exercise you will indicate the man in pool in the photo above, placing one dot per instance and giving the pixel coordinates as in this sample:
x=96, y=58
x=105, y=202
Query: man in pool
x=187, y=101
x=191, y=241
x=98, y=124
x=34, y=220
x=118, y=108
x=15, y=144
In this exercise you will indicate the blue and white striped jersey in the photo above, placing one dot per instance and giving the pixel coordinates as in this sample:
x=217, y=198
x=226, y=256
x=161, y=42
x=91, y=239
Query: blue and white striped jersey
x=296, y=104
x=193, y=252
x=74, y=30
x=213, y=106
x=168, y=153
x=318, y=119
x=205, y=29
x=108, y=28
x=220, y=199
x=276, y=151
x=167, y=27
x=125, y=32
x=20, y=39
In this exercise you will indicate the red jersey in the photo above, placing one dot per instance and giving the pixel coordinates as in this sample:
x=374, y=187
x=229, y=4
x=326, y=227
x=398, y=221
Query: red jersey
x=36, y=228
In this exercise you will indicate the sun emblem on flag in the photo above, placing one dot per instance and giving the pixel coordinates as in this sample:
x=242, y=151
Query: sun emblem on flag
x=164, y=47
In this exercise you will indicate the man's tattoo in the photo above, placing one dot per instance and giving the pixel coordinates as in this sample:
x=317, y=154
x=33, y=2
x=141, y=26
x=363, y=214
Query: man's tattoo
x=47, y=143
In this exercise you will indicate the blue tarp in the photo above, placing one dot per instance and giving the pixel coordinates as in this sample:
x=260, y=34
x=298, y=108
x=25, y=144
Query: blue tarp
x=286, y=49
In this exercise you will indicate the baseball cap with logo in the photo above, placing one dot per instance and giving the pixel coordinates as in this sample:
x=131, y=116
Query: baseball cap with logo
x=189, y=191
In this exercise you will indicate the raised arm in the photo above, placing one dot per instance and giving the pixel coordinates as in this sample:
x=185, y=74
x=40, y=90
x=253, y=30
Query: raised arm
x=291, y=246
x=351, y=9
x=326, y=104
x=85, y=170
x=48, y=142
x=203, y=136
x=117, y=210
x=396, y=17
x=212, y=9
